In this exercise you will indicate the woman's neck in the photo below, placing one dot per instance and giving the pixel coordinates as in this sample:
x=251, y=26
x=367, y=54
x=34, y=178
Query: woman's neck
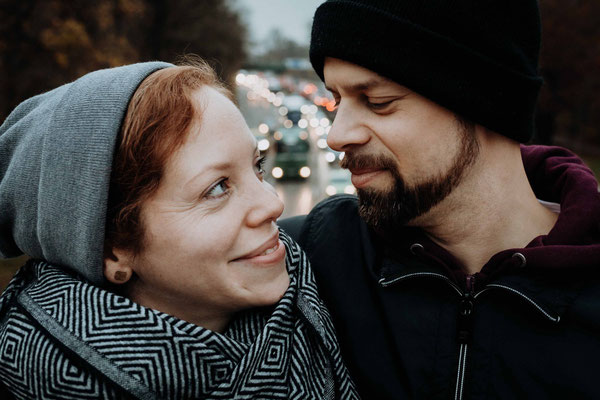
x=216, y=320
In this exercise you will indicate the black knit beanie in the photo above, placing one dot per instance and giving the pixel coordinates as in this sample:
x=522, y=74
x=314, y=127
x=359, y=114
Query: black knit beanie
x=477, y=58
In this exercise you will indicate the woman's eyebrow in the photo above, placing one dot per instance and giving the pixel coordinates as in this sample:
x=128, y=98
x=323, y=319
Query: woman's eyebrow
x=219, y=166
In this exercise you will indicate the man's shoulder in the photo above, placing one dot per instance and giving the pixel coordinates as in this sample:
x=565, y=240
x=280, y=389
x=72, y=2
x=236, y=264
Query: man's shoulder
x=332, y=225
x=335, y=207
x=332, y=216
x=327, y=214
x=333, y=219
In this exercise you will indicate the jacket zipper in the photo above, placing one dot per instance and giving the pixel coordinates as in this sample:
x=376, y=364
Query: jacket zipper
x=465, y=323
x=385, y=283
x=465, y=315
x=555, y=319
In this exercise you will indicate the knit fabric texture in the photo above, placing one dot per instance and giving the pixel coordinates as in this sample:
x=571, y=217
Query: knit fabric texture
x=477, y=58
x=62, y=338
x=56, y=151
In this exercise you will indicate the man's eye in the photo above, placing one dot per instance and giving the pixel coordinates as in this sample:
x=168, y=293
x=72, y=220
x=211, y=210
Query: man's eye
x=379, y=106
x=218, y=189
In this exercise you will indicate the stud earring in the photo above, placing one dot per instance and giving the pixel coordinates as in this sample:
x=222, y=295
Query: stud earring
x=120, y=276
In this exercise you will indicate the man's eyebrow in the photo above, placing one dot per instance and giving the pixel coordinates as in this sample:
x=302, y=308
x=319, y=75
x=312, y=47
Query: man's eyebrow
x=362, y=86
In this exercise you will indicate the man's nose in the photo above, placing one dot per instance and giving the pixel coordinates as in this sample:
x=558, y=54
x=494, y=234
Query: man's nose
x=347, y=130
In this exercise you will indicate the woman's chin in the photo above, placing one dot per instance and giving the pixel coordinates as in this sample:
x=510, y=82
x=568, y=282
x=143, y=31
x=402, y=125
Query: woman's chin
x=270, y=293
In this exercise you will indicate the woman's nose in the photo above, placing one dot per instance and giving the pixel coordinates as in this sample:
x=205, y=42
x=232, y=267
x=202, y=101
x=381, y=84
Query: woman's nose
x=266, y=205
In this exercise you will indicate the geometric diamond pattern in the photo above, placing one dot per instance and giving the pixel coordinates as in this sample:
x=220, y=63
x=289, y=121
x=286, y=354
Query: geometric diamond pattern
x=63, y=338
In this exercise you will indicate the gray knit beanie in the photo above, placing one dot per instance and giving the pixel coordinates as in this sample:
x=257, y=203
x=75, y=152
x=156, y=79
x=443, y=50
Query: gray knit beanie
x=477, y=58
x=56, y=151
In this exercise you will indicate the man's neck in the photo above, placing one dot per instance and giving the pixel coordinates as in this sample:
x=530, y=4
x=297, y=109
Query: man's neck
x=493, y=209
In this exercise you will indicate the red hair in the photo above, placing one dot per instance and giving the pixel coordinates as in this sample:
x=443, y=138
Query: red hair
x=156, y=125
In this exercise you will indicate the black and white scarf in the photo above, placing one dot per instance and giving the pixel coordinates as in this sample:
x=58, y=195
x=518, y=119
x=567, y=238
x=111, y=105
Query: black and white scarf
x=63, y=338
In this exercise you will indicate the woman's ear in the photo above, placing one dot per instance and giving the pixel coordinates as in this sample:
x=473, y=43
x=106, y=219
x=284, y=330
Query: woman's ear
x=117, y=265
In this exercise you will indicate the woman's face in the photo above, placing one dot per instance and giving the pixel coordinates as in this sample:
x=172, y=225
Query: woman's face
x=211, y=244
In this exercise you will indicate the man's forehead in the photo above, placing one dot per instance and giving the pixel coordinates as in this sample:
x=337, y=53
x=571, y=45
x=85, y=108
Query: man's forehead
x=352, y=77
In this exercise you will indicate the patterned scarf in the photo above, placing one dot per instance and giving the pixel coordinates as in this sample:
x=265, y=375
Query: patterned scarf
x=61, y=337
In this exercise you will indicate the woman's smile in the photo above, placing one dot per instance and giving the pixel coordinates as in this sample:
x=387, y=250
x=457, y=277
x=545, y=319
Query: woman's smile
x=273, y=255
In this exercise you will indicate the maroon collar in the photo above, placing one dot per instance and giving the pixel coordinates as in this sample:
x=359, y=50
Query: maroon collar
x=556, y=175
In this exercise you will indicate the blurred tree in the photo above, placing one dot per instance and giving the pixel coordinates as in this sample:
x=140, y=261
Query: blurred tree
x=279, y=47
x=45, y=43
x=208, y=28
x=569, y=108
x=276, y=49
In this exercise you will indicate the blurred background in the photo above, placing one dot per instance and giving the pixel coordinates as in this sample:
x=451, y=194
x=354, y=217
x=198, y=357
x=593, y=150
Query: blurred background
x=260, y=48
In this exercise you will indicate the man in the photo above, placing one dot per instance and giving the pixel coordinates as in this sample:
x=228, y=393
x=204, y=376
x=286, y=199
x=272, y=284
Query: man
x=468, y=266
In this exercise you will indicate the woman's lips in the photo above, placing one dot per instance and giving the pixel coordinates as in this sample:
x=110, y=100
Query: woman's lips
x=270, y=253
x=362, y=177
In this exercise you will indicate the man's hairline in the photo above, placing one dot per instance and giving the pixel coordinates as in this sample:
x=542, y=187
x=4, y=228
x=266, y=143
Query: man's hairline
x=370, y=83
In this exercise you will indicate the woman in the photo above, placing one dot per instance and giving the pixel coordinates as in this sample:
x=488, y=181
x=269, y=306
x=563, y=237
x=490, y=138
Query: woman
x=157, y=268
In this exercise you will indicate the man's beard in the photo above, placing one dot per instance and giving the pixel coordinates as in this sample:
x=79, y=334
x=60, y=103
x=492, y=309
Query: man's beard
x=387, y=211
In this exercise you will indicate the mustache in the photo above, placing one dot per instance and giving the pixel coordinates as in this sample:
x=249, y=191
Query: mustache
x=363, y=161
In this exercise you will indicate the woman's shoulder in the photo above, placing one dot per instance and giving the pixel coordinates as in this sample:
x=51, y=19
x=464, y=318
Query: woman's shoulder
x=34, y=362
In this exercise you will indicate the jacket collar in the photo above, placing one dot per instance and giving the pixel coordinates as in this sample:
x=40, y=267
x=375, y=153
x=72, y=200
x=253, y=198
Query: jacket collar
x=539, y=270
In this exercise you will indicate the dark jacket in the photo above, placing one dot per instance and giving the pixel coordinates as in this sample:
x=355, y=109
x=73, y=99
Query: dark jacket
x=412, y=325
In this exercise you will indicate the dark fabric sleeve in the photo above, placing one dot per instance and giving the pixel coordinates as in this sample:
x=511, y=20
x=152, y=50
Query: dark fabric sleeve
x=293, y=226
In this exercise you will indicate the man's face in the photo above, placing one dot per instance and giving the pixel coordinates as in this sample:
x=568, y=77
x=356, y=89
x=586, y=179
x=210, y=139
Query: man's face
x=406, y=153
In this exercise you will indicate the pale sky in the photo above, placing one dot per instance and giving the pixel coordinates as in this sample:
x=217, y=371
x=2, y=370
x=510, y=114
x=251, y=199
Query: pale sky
x=292, y=17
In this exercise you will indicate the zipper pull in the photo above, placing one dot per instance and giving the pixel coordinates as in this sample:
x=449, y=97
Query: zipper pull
x=465, y=311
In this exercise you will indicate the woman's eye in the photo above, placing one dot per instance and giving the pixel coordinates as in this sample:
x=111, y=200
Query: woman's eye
x=260, y=166
x=218, y=190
